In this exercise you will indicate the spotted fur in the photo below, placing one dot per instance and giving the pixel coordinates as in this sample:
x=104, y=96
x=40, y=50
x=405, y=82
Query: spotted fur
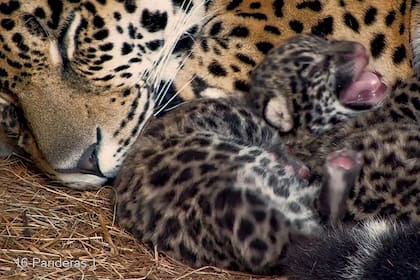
x=85, y=75
x=211, y=182
x=389, y=183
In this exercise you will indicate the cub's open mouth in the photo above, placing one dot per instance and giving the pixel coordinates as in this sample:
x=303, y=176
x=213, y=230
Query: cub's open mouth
x=365, y=92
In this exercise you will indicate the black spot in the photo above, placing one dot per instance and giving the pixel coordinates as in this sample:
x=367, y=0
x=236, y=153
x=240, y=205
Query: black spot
x=185, y=5
x=154, y=22
x=372, y=205
x=126, y=49
x=255, y=5
x=194, y=229
x=160, y=177
x=39, y=13
x=187, y=254
x=233, y=266
x=184, y=176
x=130, y=6
x=132, y=31
x=229, y=220
x=153, y=219
x=370, y=16
x=312, y=5
x=278, y=8
x=296, y=26
x=228, y=197
x=215, y=28
x=191, y=155
x=154, y=44
x=259, y=215
x=7, y=23
x=206, y=168
x=258, y=245
x=272, y=29
x=324, y=27
x=402, y=29
x=404, y=184
x=264, y=47
x=240, y=31
x=232, y=148
x=204, y=205
x=246, y=59
x=416, y=103
x=171, y=229
x=3, y=72
x=403, y=7
x=377, y=45
x=242, y=85
x=98, y=22
x=351, y=22
x=409, y=113
x=244, y=158
x=274, y=224
x=106, y=47
x=198, y=85
x=101, y=34
x=390, y=18
x=57, y=10
x=253, y=199
x=217, y=70
x=399, y=54
x=233, y=4
x=221, y=157
x=9, y=8
x=187, y=195
x=186, y=41
x=246, y=228
x=117, y=16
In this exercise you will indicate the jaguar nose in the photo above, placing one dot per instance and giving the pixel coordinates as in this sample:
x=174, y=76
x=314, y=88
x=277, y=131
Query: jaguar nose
x=88, y=162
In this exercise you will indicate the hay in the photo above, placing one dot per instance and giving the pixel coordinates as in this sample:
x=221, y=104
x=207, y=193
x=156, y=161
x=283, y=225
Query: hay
x=50, y=232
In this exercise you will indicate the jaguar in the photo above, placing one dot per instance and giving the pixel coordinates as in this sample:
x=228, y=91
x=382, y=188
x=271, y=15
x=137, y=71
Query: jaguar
x=388, y=138
x=211, y=182
x=79, y=78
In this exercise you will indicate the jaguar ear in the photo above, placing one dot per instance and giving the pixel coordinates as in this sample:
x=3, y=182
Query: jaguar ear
x=278, y=114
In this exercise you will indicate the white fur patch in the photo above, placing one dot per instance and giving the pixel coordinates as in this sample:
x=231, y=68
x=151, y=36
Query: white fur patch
x=214, y=93
x=369, y=243
x=69, y=40
x=336, y=192
x=55, y=54
x=80, y=181
x=415, y=41
x=278, y=114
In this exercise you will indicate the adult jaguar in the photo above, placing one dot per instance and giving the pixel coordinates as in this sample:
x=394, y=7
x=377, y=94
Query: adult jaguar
x=80, y=74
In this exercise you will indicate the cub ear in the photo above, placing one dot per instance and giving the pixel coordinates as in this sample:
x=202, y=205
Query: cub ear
x=277, y=113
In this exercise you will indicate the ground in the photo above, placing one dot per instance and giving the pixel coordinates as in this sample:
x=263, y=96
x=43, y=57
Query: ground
x=40, y=223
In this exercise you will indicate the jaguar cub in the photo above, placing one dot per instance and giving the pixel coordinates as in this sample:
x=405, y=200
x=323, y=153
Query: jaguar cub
x=211, y=181
x=388, y=138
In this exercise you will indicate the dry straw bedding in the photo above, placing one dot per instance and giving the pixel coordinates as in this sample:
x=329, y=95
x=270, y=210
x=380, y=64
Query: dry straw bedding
x=50, y=232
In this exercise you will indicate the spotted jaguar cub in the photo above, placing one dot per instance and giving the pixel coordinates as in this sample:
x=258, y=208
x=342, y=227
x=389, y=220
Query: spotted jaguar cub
x=212, y=183
x=388, y=138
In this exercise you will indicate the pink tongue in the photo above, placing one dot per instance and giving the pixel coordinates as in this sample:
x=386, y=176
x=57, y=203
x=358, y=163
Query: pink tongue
x=368, y=88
